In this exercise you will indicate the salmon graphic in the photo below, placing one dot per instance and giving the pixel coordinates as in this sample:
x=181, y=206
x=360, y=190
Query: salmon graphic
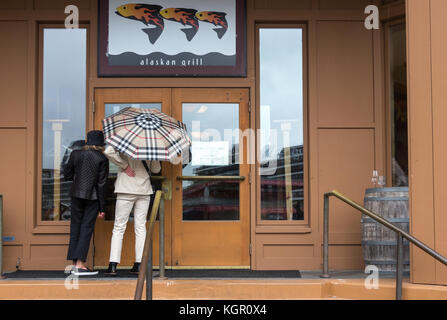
x=149, y=14
x=186, y=17
x=216, y=18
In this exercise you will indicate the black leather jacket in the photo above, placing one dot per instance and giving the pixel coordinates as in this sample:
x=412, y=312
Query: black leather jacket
x=89, y=170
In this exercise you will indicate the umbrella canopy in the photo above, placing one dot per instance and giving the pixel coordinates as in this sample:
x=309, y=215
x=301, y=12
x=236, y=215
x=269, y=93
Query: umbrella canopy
x=146, y=134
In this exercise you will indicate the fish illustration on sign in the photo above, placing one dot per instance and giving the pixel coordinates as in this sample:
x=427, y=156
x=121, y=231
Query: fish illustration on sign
x=149, y=14
x=216, y=18
x=186, y=17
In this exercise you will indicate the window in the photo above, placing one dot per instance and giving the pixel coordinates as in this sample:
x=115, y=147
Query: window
x=282, y=124
x=398, y=104
x=63, y=113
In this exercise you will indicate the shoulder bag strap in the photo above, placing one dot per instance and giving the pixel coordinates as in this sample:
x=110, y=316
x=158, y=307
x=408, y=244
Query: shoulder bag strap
x=146, y=167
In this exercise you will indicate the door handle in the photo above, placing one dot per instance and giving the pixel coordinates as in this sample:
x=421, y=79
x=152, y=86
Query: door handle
x=158, y=178
x=210, y=178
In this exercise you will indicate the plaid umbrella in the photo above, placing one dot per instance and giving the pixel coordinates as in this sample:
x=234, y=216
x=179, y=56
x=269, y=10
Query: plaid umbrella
x=146, y=134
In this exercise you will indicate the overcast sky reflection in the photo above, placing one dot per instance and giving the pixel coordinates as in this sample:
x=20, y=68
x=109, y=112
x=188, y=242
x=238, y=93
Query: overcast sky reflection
x=281, y=82
x=64, y=88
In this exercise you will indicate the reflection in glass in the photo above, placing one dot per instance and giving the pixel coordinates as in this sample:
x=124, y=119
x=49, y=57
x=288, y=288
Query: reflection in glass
x=282, y=131
x=215, y=149
x=398, y=105
x=109, y=109
x=63, y=127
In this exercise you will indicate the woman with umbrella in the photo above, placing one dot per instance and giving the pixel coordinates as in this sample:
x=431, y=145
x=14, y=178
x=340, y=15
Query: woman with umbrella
x=138, y=139
x=133, y=189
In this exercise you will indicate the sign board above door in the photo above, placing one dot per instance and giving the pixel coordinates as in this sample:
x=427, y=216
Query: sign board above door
x=172, y=38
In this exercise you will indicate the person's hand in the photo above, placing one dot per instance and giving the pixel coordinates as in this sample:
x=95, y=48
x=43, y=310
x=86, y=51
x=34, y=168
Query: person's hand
x=101, y=215
x=129, y=171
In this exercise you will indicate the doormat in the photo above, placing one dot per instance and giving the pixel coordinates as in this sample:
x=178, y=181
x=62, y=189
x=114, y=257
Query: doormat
x=231, y=273
x=171, y=274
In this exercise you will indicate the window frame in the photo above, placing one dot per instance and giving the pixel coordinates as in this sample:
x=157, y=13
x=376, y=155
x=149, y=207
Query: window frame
x=388, y=128
x=296, y=225
x=42, y=226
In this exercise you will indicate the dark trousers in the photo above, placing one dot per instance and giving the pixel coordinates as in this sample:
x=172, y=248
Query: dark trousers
x=83, y=219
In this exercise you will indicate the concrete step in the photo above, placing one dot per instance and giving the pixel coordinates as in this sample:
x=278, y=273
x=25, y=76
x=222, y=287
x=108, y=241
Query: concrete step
x=216, y=289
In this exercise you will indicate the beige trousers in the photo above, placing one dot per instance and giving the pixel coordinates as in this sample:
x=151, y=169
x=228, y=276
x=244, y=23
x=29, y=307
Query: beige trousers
x=124, y=205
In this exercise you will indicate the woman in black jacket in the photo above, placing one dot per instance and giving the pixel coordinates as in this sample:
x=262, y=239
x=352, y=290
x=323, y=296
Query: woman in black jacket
x=89, y=169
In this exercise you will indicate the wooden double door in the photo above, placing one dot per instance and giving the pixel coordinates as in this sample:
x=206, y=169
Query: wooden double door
x=207, y=221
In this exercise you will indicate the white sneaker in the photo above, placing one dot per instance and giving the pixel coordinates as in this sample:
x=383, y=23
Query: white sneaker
x=84, y=272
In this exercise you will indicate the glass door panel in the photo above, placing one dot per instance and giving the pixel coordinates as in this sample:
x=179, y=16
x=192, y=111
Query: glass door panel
x=214, y=153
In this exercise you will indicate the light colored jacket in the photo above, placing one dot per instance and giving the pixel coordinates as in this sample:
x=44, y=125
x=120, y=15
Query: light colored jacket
x=141, y=183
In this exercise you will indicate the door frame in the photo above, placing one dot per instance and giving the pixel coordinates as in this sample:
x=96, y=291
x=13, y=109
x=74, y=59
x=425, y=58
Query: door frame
x=166, y=97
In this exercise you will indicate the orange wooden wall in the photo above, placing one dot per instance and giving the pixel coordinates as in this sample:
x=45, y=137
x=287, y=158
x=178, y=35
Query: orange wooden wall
x=346, y=136
x=427, y=80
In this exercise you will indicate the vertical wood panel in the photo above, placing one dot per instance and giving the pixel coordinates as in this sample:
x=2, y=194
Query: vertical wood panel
x=31, y=125
x=11, y=254
x=13, y=4
x=14, y=64
x=314, y=201
x=420, y=124
x=12, y=182
x=345, y=73
x=439, y=83
x=345, y=162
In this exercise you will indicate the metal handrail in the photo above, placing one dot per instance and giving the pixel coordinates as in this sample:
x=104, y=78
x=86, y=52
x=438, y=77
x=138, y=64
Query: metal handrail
x=161, y=217
x=401, y=234
x=146, y=261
